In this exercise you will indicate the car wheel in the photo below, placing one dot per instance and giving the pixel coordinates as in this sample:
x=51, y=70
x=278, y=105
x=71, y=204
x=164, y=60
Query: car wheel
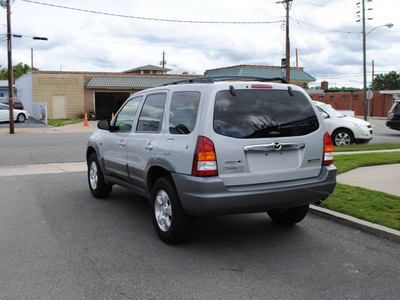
x=172, y=224
x=342, y=137
x=97, y=184
x=288, y=216
x=21, y=118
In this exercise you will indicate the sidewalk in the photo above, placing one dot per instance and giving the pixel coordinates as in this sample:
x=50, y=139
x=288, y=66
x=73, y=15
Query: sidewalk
x=78, y=127
x=383, y=178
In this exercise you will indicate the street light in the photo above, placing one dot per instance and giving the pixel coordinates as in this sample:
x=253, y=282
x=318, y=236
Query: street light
x=389, y=25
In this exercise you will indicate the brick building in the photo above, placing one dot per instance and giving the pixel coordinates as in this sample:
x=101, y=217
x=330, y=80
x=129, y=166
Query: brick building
x=379, y=106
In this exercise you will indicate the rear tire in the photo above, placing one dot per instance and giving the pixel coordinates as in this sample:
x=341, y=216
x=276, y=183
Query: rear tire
x=97, y=184
x=172, y=224
x=288, y=216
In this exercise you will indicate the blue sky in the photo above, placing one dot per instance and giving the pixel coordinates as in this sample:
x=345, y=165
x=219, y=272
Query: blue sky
x=325, y=33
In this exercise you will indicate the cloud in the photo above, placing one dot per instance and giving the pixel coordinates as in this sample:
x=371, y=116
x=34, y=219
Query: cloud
x=326, y=35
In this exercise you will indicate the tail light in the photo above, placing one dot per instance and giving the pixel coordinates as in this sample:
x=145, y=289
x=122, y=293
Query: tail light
x=204, y=160
x=328, y=150
x=22, y=106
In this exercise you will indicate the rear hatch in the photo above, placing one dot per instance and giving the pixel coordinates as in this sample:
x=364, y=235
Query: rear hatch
x=265, y=133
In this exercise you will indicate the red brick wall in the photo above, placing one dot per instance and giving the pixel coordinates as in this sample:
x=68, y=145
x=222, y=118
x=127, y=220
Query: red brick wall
x=379, y=107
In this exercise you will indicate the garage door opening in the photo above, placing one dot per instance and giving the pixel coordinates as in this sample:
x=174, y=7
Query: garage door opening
x=107, y=103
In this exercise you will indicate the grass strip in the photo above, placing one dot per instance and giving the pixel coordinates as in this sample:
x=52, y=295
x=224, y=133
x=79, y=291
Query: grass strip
x=366, y=147
x=347, y=162
x=372, y=206
x=62, y=122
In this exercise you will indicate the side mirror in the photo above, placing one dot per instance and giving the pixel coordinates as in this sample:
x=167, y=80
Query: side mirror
x=104, y=124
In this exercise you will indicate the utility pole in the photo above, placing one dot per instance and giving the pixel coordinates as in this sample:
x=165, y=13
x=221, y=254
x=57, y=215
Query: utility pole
x=364, y=62
x=287, y=4
x=10, y=69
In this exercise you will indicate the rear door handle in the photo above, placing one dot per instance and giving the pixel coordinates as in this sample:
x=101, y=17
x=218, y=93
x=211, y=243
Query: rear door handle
x=122, y=143
x=149, y=147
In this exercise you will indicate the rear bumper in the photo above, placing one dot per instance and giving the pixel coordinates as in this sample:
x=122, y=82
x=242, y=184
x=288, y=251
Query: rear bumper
x=203, y=196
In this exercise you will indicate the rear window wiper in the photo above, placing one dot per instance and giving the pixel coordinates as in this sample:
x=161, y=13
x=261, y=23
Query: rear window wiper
x=290, y=90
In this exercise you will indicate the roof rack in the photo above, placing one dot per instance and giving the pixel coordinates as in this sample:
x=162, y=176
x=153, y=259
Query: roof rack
x=211, y=79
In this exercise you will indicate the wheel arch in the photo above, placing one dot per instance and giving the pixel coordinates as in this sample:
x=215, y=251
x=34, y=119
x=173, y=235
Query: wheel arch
x=342, y=128
x=155, y=173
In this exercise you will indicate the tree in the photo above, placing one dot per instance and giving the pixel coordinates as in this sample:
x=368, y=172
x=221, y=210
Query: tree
x=18, y=70
x=390, y=81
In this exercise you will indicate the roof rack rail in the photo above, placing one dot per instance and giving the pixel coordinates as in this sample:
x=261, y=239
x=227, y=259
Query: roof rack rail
x=263, y=79
x=204, y=79
x=212, y=79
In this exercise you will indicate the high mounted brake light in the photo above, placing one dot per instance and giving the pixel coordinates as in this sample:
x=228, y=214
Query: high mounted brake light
x=261, y=86
x=204, y=159
x=328, y=150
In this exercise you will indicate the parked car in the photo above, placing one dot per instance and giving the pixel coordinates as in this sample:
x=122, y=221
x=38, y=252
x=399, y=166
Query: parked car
x=202, y=147
x=344, y=130
x=19, y=115
x=393, y=120
x=17, y=103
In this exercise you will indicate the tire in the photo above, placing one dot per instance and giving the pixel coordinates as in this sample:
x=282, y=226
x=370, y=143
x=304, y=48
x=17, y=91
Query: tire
x=288, y=216
x=97, y=184
x=21, y=118
x=342, y=137
x=172, y=224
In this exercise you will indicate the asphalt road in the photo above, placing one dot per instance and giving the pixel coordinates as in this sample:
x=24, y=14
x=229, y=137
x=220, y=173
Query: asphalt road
x=30, y=149
x=58, y=242
x=383, y=134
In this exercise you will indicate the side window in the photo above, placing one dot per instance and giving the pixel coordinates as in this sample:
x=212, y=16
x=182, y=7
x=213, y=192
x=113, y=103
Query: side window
x=150, y=119
x=124, y=119
x=183, y=112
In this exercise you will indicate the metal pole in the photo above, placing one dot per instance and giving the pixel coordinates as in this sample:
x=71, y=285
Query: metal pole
x=364, y=62
x=287, y=6
x=10, y=69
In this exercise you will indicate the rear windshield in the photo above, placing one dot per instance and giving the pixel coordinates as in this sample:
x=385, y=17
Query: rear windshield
x=263, y=113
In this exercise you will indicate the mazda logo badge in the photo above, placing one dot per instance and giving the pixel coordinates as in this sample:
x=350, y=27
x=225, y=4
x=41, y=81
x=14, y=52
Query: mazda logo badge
x=277, y=146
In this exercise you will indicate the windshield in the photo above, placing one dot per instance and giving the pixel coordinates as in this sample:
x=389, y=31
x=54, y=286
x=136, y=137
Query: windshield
x=263, y=113
x=330, y=110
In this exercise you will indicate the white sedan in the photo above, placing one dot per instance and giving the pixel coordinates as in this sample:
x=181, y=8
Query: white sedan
x=344, y=130
x=19, y=115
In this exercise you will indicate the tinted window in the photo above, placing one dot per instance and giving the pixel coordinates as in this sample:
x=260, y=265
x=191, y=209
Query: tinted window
x=152, y=113
x=183, y=112
x=125, y=117
x=263, y=113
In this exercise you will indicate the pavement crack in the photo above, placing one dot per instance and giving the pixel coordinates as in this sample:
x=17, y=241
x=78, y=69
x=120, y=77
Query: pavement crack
x=31, y=156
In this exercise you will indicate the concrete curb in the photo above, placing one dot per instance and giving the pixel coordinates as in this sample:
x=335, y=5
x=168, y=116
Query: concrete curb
x=378, y=230
x=40, y=169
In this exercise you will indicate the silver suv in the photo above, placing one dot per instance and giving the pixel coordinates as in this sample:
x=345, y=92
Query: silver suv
x=205, y=147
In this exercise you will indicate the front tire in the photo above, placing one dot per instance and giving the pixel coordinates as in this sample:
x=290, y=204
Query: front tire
x=342, y=137
x=172, y=224
x=288, y=216
x=21, y=118
x=97, y=184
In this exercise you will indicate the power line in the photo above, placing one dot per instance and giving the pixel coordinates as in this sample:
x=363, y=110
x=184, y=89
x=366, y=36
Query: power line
x=325, y=29
x=152, y=19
